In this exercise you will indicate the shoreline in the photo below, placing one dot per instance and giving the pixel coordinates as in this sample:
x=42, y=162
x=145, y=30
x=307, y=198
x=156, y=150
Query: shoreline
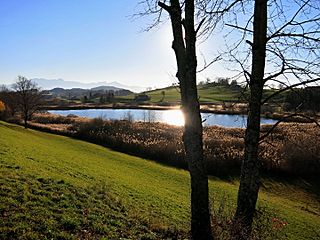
x=204, y=108
x=214, y=108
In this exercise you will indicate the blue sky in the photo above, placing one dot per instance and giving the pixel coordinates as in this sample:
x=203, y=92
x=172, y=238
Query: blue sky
x=85, y=41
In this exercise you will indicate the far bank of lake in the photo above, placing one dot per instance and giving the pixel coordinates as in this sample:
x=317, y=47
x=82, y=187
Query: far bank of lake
x=173, y=117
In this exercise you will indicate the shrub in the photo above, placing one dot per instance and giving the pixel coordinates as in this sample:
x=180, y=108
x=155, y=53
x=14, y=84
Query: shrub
x=2, y=106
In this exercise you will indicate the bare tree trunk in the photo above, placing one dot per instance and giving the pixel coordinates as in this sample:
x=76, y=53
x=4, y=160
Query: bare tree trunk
x=250, y=180
x=185, y=52
x=27, y=95
x=200, y=222
x=25, y=113
x=25, y=120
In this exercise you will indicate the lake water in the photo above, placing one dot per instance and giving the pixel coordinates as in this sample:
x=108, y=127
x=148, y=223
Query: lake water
x=173, y=117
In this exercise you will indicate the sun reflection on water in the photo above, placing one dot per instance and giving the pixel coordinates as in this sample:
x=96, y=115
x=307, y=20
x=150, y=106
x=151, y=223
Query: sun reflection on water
x=173, y=117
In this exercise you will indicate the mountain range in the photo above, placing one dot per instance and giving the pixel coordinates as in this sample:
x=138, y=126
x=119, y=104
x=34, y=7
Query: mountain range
x=47, y=84
x=79, y=93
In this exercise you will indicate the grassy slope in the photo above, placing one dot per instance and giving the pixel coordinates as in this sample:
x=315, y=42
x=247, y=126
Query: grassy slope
x=53, y=181
x=207, y=93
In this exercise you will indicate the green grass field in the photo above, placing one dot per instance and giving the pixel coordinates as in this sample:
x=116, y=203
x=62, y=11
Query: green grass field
x=61, y=188
x=207, y=93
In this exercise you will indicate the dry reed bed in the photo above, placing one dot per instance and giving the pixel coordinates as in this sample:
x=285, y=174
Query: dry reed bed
x=292, y=148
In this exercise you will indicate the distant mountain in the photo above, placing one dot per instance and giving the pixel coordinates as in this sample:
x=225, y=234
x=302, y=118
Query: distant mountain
x=131, y=88
x=61, y=92
x=60, y=83
x=106, y=88
x=77, y=93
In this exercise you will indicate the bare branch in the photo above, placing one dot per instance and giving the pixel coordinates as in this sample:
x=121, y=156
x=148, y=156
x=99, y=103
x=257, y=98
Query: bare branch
x=299, y=35
x=200, y=24
x=288, y=22
x=240, y=28
x=224, y=10
x=209, y=64
x=165, y=7
x=283, y=120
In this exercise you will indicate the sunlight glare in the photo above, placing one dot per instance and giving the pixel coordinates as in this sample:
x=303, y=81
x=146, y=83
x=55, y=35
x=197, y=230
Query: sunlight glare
x=173, y=117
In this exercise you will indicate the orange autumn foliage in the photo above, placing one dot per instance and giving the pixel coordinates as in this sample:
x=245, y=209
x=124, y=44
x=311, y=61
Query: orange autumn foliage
x=2, y=106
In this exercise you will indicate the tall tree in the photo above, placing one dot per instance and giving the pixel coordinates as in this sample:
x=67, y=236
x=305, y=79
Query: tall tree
x=250, y=180
x=275, y=41
x=184, y=46
x=185, y=29
x=28, y=98
x=284, y=47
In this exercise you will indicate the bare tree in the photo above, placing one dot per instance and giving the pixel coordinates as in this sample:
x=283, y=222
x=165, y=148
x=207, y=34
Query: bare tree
x=186, y=22
x=250, y=180
x=279, y=42
x=28, y=97
x=184, y=46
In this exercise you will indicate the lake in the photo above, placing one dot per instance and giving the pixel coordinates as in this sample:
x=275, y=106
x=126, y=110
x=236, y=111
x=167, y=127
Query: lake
x=173, y=117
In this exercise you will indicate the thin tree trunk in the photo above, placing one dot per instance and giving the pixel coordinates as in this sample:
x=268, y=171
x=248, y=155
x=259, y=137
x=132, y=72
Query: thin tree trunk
x=250, y=179
x=25, y=122
x=25, y=117
x=200, y=222
x=185, y=52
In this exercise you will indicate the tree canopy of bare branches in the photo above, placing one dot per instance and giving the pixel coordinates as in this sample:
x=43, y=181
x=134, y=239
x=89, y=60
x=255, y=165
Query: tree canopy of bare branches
x=28, y=98
x=275, y=41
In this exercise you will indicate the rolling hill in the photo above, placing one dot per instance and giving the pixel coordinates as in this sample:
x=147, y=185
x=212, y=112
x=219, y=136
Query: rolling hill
x=208, y=93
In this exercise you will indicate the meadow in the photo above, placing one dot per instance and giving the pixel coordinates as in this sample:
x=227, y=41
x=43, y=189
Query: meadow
x=208, y=93
x=58, y=187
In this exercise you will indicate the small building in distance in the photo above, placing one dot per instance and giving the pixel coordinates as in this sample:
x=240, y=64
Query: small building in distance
x=141, y=97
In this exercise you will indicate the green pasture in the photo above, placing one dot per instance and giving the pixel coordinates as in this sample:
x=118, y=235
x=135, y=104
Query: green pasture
x=55, y=187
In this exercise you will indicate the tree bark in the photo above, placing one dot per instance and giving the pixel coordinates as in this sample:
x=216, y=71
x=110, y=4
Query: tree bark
x=250, y=179
x=185, y=52
x=25, y=120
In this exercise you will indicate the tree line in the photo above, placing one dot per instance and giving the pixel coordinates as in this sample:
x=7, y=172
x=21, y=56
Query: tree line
x=306, y=99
